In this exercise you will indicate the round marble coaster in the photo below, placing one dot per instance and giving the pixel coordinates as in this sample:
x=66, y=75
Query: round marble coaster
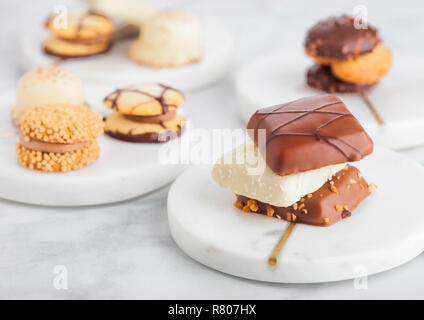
x=123, y=171
x=385, y=231
x=281, y=77
x=115, y=68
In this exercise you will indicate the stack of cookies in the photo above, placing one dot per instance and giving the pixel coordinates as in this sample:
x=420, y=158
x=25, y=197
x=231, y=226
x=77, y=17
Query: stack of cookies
x=302, y=174
x=78, y=34
x=59, y=138
x=144, y=113
x=349, y=57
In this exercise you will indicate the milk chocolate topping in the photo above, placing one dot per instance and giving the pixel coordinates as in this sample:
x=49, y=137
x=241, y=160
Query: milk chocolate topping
x=309, y=133
x=334, y=201
x=337, y=38
x=152, y=119
x=42, y=146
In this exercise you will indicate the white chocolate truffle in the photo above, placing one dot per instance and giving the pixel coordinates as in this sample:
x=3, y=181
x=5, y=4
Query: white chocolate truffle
x=230, y=172
x=132, y=11
x=170, y=38
x=46, y=86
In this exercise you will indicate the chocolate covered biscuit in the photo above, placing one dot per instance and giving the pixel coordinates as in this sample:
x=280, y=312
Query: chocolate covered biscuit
x=144, y=113
x=334, y=201
x=145, y=100
x=85, y=34
x=120, y=127
x=339, y=39
x=320, y=77
x=309, y=133
x=59, y=138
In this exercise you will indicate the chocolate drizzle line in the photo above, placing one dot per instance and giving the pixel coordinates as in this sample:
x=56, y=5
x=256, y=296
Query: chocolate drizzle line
x=160, y=99
x=303, y=113
x=81, y=21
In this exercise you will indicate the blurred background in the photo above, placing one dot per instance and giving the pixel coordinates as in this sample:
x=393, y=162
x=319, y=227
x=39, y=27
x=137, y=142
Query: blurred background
x=258, y=26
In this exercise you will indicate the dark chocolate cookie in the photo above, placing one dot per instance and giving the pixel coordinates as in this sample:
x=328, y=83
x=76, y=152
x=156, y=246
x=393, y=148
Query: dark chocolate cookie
x=321, y=78
x=338, y=39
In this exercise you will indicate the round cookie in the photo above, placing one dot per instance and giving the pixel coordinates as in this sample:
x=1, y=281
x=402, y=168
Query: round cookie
x=169, y=38
x=46, y=86
x=145, y=100
x=58, y=162
x=338, y=39
x=120, y=127
x=59, y=138
x=365, y=69
x=321, y=78
x=82, y=27
x=67, y=49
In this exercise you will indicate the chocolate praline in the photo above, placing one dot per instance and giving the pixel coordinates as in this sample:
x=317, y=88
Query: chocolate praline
x=338, y=38
x=334, y=201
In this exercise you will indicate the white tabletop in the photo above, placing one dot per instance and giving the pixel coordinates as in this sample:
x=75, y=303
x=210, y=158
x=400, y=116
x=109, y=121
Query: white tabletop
x=125, y=250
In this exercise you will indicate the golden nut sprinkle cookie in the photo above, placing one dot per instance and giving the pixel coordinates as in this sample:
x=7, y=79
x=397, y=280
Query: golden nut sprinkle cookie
x=338, y=39
x=59, y=138
x=58, y=162
x=78, y=34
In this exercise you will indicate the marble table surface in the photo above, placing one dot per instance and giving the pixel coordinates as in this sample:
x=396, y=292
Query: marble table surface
x=125, y=250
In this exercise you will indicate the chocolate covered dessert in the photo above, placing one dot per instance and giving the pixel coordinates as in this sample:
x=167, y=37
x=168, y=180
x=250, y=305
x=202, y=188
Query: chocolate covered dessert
x=305, y=152
x=59, y=138
x=84, y=34
x=144, y=113
x=349, y=58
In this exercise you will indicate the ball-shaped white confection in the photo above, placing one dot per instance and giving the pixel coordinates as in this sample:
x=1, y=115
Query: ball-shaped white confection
x=47, y=86
x=169, y=38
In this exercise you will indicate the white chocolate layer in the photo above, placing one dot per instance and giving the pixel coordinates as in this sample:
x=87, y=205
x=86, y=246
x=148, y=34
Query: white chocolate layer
x=47, y=86
x=265, y=185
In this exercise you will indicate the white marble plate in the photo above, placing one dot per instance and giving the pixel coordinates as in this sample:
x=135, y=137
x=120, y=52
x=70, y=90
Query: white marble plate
x=385, y=231
x=281, y=77
x=115, y=68
x=123, y=171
